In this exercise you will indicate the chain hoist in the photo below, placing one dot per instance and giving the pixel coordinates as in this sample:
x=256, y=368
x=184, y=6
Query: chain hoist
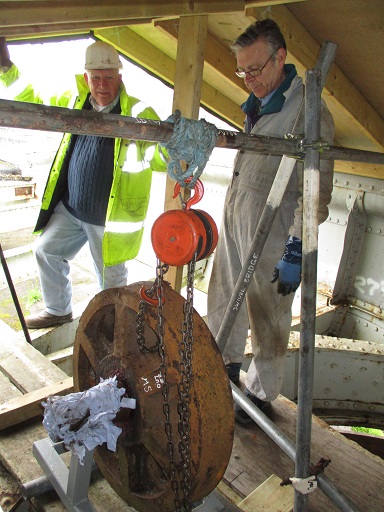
x=174, y=448
x=179, y=237
x=178, y=234
x=165, y=388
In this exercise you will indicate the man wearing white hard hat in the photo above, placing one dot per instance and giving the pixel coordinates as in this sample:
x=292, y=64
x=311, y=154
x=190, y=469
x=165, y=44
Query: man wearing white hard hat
x=97, y=190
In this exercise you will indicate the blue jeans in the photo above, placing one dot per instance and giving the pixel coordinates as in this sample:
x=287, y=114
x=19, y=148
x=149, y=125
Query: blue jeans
x=61, y=240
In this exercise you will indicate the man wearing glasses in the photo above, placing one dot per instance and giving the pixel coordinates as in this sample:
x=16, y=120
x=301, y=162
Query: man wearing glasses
x=270, y=110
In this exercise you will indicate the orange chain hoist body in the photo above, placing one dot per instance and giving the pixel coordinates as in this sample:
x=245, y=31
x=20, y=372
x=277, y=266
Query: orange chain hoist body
x=178, y=234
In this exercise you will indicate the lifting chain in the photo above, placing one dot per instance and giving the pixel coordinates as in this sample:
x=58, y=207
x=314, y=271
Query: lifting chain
x=184, y=386
x=140, y=330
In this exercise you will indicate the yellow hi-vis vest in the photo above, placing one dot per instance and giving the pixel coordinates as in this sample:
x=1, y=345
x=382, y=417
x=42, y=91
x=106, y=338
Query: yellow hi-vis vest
x=132, y=176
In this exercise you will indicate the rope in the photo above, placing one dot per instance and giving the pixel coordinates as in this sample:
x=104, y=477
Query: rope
x=193, y=142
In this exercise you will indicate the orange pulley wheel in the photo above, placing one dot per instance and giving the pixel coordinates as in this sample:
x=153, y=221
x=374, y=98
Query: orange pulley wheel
x=178, y=234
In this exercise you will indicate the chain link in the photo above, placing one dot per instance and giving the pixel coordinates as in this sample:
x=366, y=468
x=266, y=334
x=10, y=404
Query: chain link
x=165, y=388
x=140, y=329
x=183, y=504
x=185, y=352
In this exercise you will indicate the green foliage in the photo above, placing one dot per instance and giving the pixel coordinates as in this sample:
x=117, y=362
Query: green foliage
x=370, y=431
x=33, y=296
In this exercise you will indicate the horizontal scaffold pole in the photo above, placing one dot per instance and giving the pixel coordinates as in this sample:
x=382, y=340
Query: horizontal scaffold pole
x=16, y=114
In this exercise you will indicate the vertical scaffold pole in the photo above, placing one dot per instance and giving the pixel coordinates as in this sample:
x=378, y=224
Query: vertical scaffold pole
x=311, y=187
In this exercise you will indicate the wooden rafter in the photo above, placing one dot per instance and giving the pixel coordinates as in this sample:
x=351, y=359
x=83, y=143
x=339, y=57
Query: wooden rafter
x=157, y=62
x=217, y=56
x=42, y=12
x=57, y=29
x=352, y=113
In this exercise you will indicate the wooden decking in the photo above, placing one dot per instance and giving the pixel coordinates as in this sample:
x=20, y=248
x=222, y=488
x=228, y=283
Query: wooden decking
x=27, y=377
x=355, y=472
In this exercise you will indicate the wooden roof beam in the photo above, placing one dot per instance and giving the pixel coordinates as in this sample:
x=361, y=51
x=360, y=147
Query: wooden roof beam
x=57, y=29
x=186, y=97
x=354, y=116
x=157, y=62
x=217, y=56
x=41, y=12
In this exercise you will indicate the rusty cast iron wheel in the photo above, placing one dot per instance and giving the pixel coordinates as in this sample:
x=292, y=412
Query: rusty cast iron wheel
x=106, y=345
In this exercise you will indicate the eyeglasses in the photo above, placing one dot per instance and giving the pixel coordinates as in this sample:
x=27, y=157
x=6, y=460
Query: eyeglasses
x=253, y=71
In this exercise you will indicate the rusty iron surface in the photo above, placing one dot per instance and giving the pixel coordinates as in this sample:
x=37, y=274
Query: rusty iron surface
x=106, y=345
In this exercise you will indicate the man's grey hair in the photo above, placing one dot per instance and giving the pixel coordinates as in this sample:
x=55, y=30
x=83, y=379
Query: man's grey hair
x=267, y=29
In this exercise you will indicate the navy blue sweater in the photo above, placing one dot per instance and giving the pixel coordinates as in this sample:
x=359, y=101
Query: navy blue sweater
x=90, y=175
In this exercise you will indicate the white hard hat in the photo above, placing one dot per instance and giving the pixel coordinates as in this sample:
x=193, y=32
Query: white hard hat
x=101, y=55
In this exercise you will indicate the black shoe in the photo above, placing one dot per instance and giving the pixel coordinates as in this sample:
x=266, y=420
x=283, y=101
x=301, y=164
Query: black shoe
x=233, y=370
x=241, y=416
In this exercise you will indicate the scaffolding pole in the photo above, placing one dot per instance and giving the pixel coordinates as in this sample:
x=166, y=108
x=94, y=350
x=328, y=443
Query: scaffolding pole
x=288, y=447
x=311, y=181
x=16, y=114
x=311, y=188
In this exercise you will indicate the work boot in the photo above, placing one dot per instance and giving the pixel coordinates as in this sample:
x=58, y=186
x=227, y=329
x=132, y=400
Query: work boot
x=241, y=416
x=45, y=319
x=233, y=370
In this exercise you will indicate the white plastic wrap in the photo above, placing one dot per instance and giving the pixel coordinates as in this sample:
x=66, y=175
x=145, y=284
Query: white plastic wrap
x=304, y=485
x=84, y=420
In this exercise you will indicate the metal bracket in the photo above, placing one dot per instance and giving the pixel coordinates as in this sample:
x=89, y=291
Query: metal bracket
x=317, y=145
x=302, y=144
x=70, y=484
x=215, y=502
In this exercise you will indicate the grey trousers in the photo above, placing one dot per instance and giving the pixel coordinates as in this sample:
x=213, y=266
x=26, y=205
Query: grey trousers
x=267, y=313
x=61, y=240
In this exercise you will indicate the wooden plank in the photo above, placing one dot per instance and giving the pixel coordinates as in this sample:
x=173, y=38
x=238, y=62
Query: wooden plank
x=28, y=406
x=7, y=389
x=16, y=451
x=27, y=378
x=355, y=472
x=270, y=496
x=68, y=13
x=228, y=492
x=26, y=367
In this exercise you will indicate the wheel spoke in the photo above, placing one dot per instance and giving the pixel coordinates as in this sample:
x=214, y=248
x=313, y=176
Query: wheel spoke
x=145, y=469
x=89, y=352
x=124, y=329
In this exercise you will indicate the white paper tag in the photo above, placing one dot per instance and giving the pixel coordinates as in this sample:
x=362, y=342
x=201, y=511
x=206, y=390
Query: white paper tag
x=304, y=485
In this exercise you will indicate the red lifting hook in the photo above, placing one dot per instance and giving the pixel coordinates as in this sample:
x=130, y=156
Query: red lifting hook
x=198, y=193
x=149, y=300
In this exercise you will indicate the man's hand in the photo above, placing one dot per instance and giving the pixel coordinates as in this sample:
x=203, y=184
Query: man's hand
x=5, y=60
x=288, y=270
